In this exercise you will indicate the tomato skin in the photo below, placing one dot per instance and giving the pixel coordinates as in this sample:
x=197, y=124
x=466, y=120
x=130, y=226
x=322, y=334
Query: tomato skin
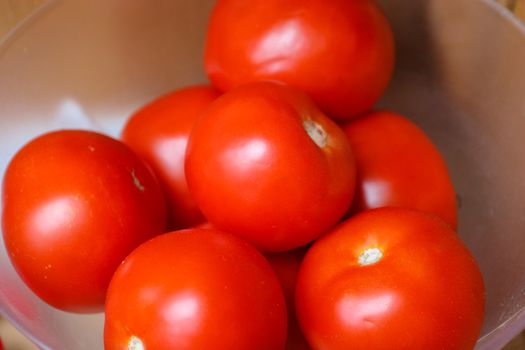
x=255, y=171
x=426, y=292
x=195, y=289
x=159, y=132
x=398, y=165
x=75, y=203
x=340, y=52
x=286, y=267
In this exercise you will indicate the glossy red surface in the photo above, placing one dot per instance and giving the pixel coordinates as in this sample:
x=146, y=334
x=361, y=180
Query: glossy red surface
x=265, y=164
x=75, y=203
x=390, y=278
x=398, y=165
x=159, y=133
x=195, y=289
x=340, y=52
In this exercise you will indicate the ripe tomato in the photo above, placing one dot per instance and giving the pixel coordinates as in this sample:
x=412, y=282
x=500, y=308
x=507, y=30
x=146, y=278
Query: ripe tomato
x=286, y=266
x=340, y=52
x=397, y=165
x=265, y=164
x=159, y=132
x=195, y=289
x=75, y=204
x=390, y=278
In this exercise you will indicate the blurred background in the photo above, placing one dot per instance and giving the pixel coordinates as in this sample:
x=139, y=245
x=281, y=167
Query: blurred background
x=12, y=12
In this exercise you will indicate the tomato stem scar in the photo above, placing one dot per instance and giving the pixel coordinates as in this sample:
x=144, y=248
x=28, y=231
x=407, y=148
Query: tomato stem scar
x=135, y=343
x=370, y=256
x=316, y=132
x=136, y=181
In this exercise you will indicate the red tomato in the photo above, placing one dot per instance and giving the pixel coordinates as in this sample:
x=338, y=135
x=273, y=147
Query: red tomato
x=75, y=204
x=286, y=266
x=159, y=132
x=265, y=164
x=195, y=289
x=397, y=165
x=340, y=52
x=390, y=278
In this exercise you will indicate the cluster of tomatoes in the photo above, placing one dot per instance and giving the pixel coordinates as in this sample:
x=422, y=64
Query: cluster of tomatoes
x=297, y=217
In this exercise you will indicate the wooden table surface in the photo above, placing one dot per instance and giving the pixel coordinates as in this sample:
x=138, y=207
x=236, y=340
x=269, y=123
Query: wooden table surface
x=11, y=13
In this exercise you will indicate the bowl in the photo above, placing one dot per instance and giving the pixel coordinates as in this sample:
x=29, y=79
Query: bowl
x=459, y=75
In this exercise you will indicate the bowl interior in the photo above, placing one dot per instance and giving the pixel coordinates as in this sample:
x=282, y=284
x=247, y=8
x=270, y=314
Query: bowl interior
x=459, y=75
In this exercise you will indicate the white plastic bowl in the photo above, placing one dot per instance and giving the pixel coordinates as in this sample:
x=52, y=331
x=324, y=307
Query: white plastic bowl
x=460, y=75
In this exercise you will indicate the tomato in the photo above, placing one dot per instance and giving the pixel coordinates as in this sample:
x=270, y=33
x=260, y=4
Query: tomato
x=264, y=163
x=390, y=278
x=75, y=203
x=398, y=165
x=195, y=289
x=340, y=52
x=286, y=266
x=159, y=132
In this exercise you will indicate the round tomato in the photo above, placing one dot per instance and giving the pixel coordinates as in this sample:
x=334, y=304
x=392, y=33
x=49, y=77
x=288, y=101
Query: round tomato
x=390, y=278
x=75, y=204
x=195, y=289
x=397, y=165
x=264, y=163
x=286, y=266
x=159, y=132
x=340, y=52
